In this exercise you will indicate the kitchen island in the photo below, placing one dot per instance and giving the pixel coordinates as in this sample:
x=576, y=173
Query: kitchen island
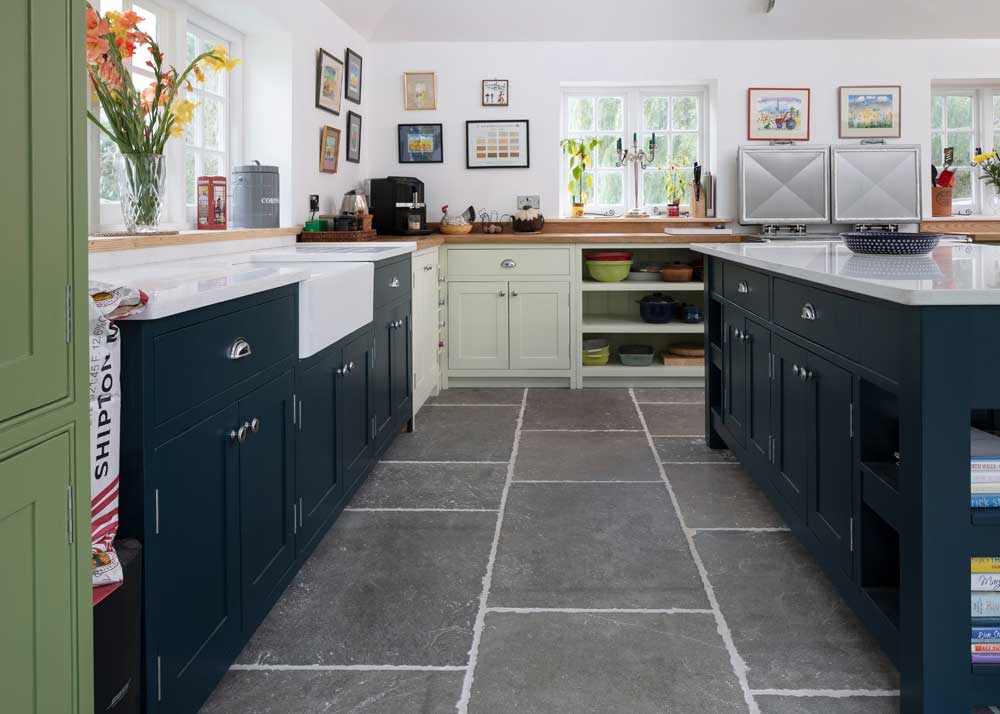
x=847, y=385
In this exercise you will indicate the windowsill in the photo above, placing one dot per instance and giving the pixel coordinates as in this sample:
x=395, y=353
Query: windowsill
x=650, y=219
x=949, y=219
x=97, y=244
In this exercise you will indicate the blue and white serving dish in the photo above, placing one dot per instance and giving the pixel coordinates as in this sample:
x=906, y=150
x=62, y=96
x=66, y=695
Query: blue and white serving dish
x=884, y=243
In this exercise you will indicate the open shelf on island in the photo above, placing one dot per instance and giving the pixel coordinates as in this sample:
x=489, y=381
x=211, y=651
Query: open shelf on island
x=629, y=324
x=640, y=286
x=880, y=490
x=657, y=369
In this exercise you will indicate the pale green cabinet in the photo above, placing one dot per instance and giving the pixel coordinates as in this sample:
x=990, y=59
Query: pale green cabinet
x=539, y=325
x=45, y=594
x=478, y=319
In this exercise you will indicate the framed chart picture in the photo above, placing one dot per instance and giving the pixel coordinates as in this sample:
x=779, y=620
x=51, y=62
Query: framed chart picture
x=870, y=112
x=778, y=114
x=329, y=150
x=496, y=144
x=354, y=138
x=420, y=144
x=329, y=82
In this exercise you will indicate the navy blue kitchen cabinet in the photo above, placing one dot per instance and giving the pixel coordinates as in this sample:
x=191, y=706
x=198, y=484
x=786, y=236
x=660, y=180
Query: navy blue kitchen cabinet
x=355, y=430
x=393, y=378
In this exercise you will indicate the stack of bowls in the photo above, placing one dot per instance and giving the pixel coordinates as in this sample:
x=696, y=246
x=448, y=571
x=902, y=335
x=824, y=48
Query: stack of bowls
x=596, y=352
x=609, y=266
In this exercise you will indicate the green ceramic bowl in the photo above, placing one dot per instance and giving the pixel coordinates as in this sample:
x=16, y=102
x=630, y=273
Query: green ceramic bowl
x=609, y=271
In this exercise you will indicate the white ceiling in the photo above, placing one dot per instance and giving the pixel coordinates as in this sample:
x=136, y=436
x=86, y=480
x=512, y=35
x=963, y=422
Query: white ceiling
x=564, y=20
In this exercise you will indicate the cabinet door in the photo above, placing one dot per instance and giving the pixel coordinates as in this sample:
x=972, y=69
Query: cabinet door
x=267, y=496
x=317, y=485
x=354, y=422
x=36, y=587
x=831, y=459
x=381, y=404
x=37, y=210
x=539, y=325
x=477, y=326
x=192, y=574
x=758, y=355
x=789, y=410
x=425, y=328
x=734, y=374
x=401, y=359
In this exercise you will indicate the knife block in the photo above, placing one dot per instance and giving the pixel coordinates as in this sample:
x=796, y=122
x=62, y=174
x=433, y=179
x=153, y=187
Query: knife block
x=697, y=209
x=941, y=201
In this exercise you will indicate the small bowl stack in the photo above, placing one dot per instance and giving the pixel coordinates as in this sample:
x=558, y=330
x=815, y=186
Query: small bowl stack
x=609, y=266
x=596, y=352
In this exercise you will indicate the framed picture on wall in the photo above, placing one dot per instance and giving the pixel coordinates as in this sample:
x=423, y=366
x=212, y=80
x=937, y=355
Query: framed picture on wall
x=329, y=82
x=352, y=84
x=329, y=149
x=421, y=144
x=778, y=114
x=496, y=144
x=419, y=91
x=496, y=92
x=870, y=112
x=354, y=138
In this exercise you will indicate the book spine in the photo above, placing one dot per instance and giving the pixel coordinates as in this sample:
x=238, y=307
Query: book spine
x=985, y=658
x=985, y=604
x=985, y=565
x=988, y=488
x=985, y=501
x=990, y=476
x=985, y=648
x=986, y=634
x=986, y=582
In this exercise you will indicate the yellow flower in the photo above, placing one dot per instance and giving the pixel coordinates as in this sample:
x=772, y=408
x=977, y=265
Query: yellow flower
x=182, y=111
x=976, y=160
x=198, y=74
x=219, y=59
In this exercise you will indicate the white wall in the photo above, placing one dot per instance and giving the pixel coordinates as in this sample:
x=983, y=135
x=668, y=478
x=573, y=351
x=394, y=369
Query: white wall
x=537, y=69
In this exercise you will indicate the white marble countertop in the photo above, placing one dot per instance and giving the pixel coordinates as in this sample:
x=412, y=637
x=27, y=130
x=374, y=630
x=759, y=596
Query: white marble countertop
x=956, y=273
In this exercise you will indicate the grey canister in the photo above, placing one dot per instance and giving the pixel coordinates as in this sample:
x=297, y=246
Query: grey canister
x=256, y=203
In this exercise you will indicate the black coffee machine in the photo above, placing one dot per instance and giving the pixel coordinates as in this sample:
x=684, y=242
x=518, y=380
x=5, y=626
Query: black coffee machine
x=398, y=208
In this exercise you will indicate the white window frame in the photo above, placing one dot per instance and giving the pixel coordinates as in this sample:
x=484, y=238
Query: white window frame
x=982, y=132
x=633, y=96
x=173, y=18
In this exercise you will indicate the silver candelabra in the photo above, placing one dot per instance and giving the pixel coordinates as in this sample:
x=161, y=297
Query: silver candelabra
x=639, y=160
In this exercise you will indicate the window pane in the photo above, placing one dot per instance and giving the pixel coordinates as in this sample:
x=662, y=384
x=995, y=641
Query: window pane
x=148, y=25
x=996, y=140
x=684, y=150
x=606, y=155
x=213, y=134
x=211, y=165
x=190, y=176
x=996, y=111
x=214, y=81
x=656, y=113
x=108, y=184
x=963, y=185
x=610, y=188
x=959, y=112
x=653, y=189
x=581, y=113
x=937, y=112
x=610, y=114
x=962, y=143
x=685, y=113
x=191, y=40
x=937, y=149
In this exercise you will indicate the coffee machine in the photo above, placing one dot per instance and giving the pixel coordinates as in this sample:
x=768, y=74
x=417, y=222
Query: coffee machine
x=397, y=206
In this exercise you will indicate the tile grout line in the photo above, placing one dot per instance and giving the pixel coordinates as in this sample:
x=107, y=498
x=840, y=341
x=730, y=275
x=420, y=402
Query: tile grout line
x=736, y=661
x=736, y=529
x=825, y=693
x=599, y=611
x=574, y=481
x=471, y=405
x=420, y=510
x=347, y=668
x=497, y=463
x=462, y=706
x=584, y=431
x=653, y=404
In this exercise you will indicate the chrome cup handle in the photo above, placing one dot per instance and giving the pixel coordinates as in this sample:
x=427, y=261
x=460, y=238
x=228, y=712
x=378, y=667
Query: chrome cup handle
x=240, y=349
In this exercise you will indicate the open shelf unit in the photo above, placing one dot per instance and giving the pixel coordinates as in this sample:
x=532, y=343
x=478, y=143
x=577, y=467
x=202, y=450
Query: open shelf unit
x=621, y=324
x=640, y=286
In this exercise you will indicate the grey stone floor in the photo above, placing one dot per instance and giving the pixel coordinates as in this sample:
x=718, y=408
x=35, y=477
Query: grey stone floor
x=555, y=552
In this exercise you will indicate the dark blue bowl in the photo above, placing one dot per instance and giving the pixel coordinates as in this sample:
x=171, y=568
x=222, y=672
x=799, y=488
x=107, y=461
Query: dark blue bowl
x=878, y=243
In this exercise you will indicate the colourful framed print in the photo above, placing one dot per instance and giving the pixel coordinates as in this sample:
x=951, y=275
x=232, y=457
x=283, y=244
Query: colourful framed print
x=419, y=91
x=354, y=138
x=496, y=93
x=329, y=82
x=870, y=112
x=421, y=144
x=497, y=144
x=776, y=114
x=352, y=84
x=329, y=149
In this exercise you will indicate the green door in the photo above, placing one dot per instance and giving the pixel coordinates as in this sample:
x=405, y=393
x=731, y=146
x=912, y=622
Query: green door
x=36, y=204
x=36, y=587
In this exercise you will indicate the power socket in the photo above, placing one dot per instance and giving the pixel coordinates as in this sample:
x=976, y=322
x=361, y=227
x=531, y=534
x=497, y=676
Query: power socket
x=533, y=200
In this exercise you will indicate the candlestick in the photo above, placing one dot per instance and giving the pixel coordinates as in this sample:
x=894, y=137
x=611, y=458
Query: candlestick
x=639, y=160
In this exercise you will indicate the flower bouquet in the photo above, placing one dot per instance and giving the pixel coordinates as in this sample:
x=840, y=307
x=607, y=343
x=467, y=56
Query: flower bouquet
x=989, y=166
x=140, y=122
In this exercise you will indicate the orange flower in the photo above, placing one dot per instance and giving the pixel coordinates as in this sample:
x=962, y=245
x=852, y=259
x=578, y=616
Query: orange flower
x=109, y=76
x=129, y=20
x=97, y=29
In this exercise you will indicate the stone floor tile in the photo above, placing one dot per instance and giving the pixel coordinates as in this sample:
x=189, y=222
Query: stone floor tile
x=720, y=496
x=432, y=486
x=580, y=409
x=674, y=419
x=582, y=455
x=682, y=395
x=690, y=449
x=469, y=395
x=458, y=434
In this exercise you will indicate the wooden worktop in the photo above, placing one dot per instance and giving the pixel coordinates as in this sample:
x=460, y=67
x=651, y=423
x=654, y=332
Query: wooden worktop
x=97, y=244
x=436, y=239
x=981, y=228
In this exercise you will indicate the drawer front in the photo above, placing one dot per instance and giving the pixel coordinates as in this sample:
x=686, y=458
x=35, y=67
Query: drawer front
x=508, y=263
x=194, y=363
x=747, y=288
x=392, y=282
x=865, y=332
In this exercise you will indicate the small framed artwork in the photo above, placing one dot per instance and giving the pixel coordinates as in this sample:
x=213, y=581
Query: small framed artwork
x=495, y=92
x=354, y=138
x=329, y=149
x=329, y=82
x=419, y=91
x=421, y=144
x=496, y=144
x=778, y=114
x=870, y=112
x=352, y=85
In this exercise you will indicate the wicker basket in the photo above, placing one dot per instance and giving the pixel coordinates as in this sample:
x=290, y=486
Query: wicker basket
x=453, y=230
x=336, y=236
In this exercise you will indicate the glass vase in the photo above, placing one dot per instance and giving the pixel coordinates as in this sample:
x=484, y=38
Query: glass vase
x=991, y=200
x=141, y=183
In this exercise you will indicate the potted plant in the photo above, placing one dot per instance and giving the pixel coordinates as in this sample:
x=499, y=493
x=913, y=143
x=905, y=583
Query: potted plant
x=140, y=122
x=675, y=188
x=580, y=153
x=989, y=165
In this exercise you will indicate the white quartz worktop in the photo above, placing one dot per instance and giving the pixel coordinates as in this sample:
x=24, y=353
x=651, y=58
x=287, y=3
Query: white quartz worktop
x=954, y=274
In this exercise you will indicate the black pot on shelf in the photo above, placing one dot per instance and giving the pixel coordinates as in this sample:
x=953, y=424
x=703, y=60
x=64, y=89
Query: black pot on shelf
x=656, y=308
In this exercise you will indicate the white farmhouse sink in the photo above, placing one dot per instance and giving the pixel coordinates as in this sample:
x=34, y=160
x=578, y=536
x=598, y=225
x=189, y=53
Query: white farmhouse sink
x=334, y=301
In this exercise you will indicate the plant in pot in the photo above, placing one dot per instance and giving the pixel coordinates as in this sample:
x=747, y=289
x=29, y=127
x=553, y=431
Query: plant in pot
x=675, y=188
x=140, y=122
x=580, y=153
x=989, y=166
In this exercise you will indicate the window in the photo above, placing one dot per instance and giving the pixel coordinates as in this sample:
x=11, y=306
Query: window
x=966, y=119
x=677, y=117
